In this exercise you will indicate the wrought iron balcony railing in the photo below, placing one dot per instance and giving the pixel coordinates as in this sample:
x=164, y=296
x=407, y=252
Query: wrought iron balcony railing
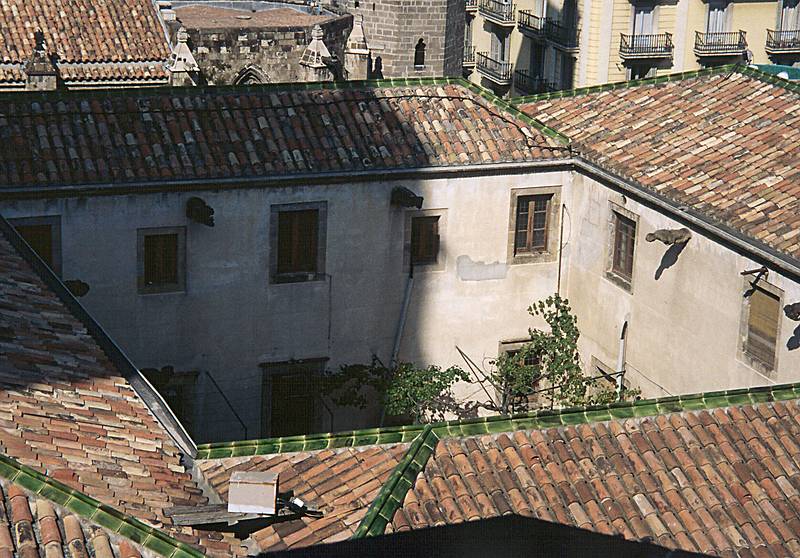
x=532, y=84
x=645, y=46
x=497, y=71
x=782, y=41
x=497, y=11
x=562, y=35
x=471, y=5
x=720, y=44
x=530, y=24
x=469, y=56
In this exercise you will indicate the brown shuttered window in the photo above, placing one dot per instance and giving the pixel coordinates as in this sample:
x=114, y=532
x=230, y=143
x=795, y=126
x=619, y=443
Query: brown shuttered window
x=160, y=259
x=293, y=390
x=532, y=221
x=297, y=241
x=424, y=240
x=762, y=326
x=624, y=242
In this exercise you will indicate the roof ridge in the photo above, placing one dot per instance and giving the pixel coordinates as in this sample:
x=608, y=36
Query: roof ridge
x=392, y=494
x=614, y=85
x=504, y=423
x=95, y=511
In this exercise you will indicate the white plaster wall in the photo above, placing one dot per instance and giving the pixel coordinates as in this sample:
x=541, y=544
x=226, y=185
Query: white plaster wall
x=684, y=328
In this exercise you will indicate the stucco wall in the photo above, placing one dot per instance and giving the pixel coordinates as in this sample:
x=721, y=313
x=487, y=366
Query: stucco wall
x=683, y=326
x=684, y=320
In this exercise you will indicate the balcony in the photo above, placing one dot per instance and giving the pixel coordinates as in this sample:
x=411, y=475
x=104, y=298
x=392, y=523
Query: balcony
x=531, y=25
x=471, y=6
x=782, y=41
x=720, y=44
x=469, y=57
x=563, y=37
x=501, y=13
x=494, y=70
x=530, y=84
x=635, y=47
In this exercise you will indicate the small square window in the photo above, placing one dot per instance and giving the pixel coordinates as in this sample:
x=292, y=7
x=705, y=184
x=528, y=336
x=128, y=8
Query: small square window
x=763, y=321
x=424, y=240
x=623, y=244
x=297, y=242
x=43, y=235
x=161, y=260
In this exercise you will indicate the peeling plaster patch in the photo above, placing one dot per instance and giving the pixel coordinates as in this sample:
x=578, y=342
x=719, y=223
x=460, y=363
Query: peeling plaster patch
x=467, y=270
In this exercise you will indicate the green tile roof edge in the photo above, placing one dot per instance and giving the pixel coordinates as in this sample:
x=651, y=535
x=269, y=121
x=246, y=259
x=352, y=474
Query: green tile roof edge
x=87, y=507
x=504, y=423
x=679, y=76
x=402, y=478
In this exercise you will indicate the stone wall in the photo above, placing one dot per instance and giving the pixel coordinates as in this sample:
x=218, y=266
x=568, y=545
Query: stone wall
x=393, y=28
x=271, y=54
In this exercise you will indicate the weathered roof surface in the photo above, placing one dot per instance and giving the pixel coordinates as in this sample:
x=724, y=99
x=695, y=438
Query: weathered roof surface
x=722, y=481
x=115, y=33
x=182, y=134
x=726, y=143
x=31, y=526
x=198, y=16
x=342, y=483
x=66, y=410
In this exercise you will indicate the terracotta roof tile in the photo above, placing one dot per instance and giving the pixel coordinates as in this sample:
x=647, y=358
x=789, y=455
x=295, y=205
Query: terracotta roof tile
x=610, y=477
x=342, y=483
x=183, y=134
x=66, y=410
x=118, y=33
x=725, y=144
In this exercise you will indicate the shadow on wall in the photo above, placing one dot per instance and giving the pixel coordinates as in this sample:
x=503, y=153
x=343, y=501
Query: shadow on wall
x=794, y=341
x=669, y=258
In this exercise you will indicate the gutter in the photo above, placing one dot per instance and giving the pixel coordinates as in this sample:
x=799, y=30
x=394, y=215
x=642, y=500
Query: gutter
x=45, y=191
x=143, y=388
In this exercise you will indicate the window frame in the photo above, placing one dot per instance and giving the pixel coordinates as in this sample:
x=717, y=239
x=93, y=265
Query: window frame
x=54, y=222
x=322, y=219
x=165, y=288
x=753, y=361
x=612, y=273
x=514, y=346
x=440, y=264
x=272, y=369
x=552, y=227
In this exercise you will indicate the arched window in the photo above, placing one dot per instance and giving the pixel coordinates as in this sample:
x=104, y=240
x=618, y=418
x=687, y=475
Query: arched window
x=419, y=54
x=250, y=75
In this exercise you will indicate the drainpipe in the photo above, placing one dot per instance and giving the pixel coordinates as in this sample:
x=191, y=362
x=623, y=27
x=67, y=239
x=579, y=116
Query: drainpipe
x=398, y=336
x=623, y=342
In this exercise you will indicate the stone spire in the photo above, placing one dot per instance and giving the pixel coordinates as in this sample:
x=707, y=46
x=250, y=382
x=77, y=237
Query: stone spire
x=41, y=73
x=356, y=53
x=315, y=56
x=183, y=67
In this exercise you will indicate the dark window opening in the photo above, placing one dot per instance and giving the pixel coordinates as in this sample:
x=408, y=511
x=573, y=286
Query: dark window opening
x=533, y=215
x=297, y=241
x=291, y=395
x=419, y=53
x=527, y=398
x=762, y=326
x=40, y=239
x=178, y=390
x=160, y=260
x=424, y=240
x=624, y=242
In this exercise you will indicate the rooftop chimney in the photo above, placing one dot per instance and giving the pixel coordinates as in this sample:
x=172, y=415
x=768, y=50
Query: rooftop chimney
x=41, y=72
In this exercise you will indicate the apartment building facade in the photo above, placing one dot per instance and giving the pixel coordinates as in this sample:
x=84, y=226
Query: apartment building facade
x=534, y=46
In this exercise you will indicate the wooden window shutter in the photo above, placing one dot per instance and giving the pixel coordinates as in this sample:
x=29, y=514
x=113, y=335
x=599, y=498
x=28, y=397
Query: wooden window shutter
x=424, y=240
x=161, y=259
x=762, y=326
x=40, y=238
x=297, y=241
